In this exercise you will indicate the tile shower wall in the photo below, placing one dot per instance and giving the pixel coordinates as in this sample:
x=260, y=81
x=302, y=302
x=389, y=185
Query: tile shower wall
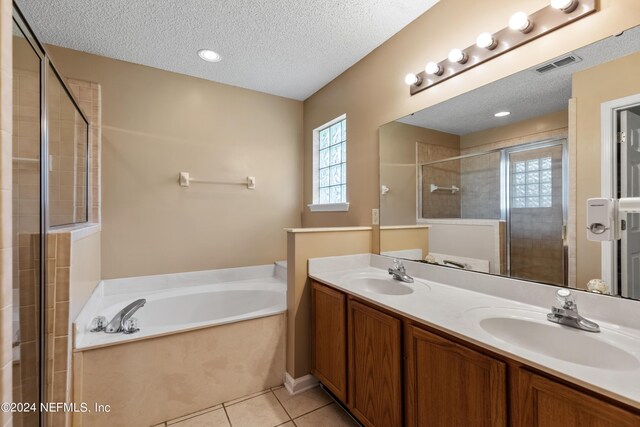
x=68, y=153
x=89, y=96
x=57, y=312
x=67, y=160
x=66, y=132
x=26, y=234
x=480, y=187
x=439, y=204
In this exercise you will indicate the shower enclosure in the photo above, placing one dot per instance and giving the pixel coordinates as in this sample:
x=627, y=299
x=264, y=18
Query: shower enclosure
x=519, y=190
x=50, y=182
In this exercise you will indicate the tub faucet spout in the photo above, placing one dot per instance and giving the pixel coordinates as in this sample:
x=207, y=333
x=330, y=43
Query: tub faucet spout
x=117, y=323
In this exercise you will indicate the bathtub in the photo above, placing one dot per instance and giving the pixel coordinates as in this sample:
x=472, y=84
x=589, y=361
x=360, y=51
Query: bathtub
x=184, y=301
x=205, y=338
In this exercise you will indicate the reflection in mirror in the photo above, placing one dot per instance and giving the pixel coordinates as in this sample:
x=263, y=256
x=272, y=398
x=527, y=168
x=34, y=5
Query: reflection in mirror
x=496, y=180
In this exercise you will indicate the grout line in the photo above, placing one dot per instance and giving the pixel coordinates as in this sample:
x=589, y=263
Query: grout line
x=226, y=404
x=318, y=408
x=227, y=414
x=193, y=414
x=282, y=406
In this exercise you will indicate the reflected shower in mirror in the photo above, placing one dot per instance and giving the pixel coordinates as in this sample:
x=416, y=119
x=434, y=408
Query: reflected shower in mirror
x=496, y=180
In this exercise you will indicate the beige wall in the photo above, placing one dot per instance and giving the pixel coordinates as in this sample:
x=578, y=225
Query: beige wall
x=372, y=92
x=302, y=245
x=405, y=238
x=156, y=124
x=398, y=168
x=521, y=132
x=6, y=114
x=592, y=87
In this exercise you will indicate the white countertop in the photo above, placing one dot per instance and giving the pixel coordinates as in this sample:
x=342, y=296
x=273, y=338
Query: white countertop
x=456, y=308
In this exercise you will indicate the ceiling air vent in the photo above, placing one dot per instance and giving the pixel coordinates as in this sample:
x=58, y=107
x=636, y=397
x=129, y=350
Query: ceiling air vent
x=562, y=62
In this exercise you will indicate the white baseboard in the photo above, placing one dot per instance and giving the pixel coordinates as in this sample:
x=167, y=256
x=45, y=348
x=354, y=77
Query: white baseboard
x=298, y=385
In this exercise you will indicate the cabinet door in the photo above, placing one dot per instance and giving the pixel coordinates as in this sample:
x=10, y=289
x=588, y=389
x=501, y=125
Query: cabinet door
x=329, y=338
x=450, y=385
x=541, y=402
x=375, y=366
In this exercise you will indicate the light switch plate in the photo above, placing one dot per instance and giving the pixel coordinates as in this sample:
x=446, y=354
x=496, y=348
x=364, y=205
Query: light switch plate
x=375, y=216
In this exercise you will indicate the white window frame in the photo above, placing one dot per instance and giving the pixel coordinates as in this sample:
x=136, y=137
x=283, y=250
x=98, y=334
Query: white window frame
x=324, y=207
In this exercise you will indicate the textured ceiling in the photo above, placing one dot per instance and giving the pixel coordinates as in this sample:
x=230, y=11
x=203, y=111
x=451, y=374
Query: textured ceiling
x=526, y=94
x=289, y=48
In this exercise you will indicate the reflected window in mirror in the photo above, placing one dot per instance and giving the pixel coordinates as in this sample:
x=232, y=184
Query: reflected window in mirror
x=532, y=186
x=330, y=166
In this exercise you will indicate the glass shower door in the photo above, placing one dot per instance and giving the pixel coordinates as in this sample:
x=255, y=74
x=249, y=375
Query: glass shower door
x=536, y=211
x=27, y=226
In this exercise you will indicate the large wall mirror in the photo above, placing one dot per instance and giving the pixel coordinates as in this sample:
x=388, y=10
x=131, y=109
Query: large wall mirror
x=497, y=180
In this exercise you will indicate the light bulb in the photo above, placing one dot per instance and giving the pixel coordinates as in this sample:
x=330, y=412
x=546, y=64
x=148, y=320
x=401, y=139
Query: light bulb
x=456, y=55
x=502, y=114
x=567, y=6
x=520, y=22
x=209, y=55
x=411, y=79
x=486, y=41
x=433, y=68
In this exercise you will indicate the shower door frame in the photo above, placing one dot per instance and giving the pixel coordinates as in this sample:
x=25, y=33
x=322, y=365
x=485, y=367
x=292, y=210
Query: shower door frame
x=505, y=199
x=47, y=65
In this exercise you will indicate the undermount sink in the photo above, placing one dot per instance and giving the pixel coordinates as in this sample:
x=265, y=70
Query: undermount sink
x=382, y=286
x=531, y=331
x=380, y=283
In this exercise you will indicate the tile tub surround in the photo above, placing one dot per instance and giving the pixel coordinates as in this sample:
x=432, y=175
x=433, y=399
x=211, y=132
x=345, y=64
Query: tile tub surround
x=169, y=376
x=453, y=292
x=181, y=292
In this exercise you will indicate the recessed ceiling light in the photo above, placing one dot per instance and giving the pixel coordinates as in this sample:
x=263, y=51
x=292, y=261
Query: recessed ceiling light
x=502, y=113
x=209, y=55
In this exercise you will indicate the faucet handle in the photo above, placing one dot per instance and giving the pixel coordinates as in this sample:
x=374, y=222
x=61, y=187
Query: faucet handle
x=397, y=265
x=566, y=298
x=98, y=324
x=131, y=326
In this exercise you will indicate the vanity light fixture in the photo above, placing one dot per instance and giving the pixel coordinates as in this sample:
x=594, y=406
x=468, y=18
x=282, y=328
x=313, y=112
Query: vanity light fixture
x=567, y=6
x=522, y=29
x=209, y=55
x=433, y=69
x=456, y=55
x=502, y=113
x=520, y=22
x=412, y=79
x=486, y=41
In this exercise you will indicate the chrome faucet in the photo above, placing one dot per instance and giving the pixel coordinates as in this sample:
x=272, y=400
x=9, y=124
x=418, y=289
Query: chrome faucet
x=119, y=322
x=399, y=273
x=568, y=314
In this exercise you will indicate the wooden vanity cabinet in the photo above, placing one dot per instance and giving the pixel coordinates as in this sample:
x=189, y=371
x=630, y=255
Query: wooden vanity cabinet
x=388, y=370
x=448, y=384
x=329, y=338
x=541, y=402
x=375, y=366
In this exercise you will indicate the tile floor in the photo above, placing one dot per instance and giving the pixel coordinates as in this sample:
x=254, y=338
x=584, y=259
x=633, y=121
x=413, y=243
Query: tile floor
x=270, y=408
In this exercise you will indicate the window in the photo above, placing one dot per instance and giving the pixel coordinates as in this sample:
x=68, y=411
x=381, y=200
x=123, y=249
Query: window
x=330, y=166
x=532, y=186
